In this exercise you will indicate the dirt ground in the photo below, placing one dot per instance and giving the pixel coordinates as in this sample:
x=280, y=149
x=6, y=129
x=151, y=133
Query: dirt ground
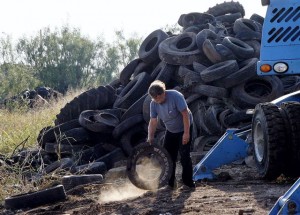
x=241, y=193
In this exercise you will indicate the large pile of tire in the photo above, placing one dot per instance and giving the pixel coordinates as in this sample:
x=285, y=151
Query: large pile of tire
x=212, y=62
x=40, y=96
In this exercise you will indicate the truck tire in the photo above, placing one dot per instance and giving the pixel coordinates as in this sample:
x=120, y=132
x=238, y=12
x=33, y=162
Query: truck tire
x=171, y=50
x=269, y=136
x=219, y=70
x=160, y=166
x=133, y=91
x=256, y=90
x=239, y=48
x=148, y=51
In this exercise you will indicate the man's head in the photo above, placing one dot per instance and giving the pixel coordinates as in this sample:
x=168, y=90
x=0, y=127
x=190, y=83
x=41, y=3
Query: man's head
x=157, y=91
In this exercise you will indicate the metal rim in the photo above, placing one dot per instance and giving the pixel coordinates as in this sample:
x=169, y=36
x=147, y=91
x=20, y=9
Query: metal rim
x=258, y=139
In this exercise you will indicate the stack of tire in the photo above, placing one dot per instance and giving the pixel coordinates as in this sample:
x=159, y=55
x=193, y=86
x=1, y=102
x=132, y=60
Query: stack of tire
x=212, y=62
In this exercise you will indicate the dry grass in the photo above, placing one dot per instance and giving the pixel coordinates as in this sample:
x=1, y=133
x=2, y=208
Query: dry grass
x=19, y=129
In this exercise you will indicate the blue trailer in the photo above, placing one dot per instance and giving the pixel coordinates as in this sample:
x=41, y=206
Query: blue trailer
x=275, y=128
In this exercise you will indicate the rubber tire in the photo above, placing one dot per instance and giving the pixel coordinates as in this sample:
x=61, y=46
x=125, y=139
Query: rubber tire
x=64, y=163
x=210, y=91
x=128, y=141
x=96, y=98
x=268, y=128
x=134, y=109
x=133, y=91
x=90, y=168
x=292, y=111
x=170, y=53
x=51, y=134
x=126, y=125
x=246, y=71
x=163, y=158
x=112, y=157
x=219, y=70
x=72, y=181
x=227, y=8
x=148, y=51
x=239, y=48
x=195, y=18
x=270, y=86
x=128, y=70
x=87, y=120
x=35, y=199
x=203, y=144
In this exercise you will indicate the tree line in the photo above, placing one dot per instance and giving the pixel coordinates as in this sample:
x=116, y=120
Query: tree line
x=62, y=59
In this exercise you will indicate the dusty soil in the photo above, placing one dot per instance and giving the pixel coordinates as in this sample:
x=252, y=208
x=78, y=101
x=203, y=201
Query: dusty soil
x=241, y=193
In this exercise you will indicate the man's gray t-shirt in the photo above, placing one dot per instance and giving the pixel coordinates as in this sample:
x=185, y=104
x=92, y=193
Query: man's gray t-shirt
x=170, y=111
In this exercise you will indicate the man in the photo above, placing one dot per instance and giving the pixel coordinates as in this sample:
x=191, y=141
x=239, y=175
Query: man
x=170, y=106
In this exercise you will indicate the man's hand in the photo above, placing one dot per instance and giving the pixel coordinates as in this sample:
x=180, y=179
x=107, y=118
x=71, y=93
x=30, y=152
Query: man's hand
x=185, y=138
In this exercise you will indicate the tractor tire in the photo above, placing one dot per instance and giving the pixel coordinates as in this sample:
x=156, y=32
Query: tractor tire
x=269, y=136
x=227, y=8
x=93, y=99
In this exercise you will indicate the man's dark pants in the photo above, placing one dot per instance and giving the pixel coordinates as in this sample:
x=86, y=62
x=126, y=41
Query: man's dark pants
x=173, y=144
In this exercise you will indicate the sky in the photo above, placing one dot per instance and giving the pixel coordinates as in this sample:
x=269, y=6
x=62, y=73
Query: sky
x=103, y=17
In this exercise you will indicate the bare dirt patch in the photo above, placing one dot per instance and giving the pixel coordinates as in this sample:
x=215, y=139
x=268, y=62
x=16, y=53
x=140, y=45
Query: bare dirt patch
x=244, y=193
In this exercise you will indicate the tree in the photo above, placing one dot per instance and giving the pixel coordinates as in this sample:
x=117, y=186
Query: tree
x=7, y=54
x=62, y=58
x=115, y=57
x=15, y=78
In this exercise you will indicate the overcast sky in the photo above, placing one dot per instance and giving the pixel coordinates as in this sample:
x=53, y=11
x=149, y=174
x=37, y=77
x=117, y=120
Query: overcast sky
x=103, y=17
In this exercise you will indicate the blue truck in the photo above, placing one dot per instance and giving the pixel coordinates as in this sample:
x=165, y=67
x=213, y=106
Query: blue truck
x=273, y=138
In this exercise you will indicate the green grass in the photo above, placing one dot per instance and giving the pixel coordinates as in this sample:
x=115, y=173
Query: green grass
x=19, y=129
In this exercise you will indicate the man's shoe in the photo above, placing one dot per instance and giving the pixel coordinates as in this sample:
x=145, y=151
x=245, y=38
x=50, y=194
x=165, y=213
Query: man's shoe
x=191, y=184
x=190, y=187
x=167, y=188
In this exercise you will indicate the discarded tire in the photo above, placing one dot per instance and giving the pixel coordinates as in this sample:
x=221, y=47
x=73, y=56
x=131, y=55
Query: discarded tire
x=72, y=181
x=35, y=199
x=149, y=166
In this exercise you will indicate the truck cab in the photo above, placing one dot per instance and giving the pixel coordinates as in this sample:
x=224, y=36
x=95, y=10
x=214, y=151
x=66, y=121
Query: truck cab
x=280, y=44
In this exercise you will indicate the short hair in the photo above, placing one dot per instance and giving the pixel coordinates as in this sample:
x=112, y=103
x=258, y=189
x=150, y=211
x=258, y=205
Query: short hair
x=156, y=88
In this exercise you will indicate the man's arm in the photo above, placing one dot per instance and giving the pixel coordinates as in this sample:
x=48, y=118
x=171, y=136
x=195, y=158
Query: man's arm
x=186, y=126
x=151, y=130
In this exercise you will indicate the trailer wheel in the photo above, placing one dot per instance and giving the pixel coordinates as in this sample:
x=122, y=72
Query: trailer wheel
x=269, y=135
x=149, y=166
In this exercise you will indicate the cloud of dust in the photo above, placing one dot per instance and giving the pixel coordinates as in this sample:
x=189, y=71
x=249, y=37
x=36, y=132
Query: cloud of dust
x=147, y=169
x=120, y=192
